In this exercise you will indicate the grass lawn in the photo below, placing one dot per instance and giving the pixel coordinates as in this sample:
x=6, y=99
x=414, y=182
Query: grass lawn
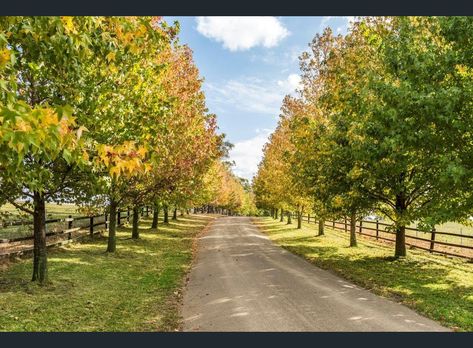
x=135, y=289
x=53, y=211
x=438, y=287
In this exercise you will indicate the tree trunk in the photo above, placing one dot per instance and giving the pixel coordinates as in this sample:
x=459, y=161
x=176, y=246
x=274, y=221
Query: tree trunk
x=282, y=215
x=289, y=218
x=166, y=214
x=40, y=257
x=276, y=213
x=353, y=230
x=299, y=220
x=135, y=233
x=400, y=249
x=321, y=227
x=174, y=214
x=400, y=241
x=112, y=227
x=154, y=224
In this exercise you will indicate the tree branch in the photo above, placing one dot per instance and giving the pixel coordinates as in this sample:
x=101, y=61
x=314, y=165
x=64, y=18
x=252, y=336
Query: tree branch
x=19, y=206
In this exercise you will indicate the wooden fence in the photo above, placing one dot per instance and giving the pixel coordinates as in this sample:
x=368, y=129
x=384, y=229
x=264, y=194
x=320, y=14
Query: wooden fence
x=446, y=243
x=61, y=230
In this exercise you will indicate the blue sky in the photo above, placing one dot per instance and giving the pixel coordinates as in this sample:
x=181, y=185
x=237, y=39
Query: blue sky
x=249, y=64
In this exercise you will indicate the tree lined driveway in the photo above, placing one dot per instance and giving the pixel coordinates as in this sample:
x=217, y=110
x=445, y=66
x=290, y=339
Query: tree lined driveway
x=241, y=281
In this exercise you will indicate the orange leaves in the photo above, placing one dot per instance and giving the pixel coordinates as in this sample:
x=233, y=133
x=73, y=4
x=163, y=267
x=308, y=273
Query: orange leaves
x=125, y=160
x=37, y=131
x=22, y=125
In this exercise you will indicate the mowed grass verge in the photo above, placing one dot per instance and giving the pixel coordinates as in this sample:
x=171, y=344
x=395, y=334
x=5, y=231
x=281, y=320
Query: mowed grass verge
x=438, y=287
x=136, y=289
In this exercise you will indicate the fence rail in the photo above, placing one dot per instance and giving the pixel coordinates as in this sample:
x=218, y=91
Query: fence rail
x=70, y=227
x=434, y=241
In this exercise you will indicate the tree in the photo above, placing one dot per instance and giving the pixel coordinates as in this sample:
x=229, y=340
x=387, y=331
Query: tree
x=44, y=60
x=408, y=144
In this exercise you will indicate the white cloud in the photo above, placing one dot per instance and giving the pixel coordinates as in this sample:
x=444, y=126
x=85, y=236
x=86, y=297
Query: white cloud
x=246, y=94
x=248, y=153
x=242, y=33
x=251, y=94
x=292, y=82
x=349, y=20
x=324, y=22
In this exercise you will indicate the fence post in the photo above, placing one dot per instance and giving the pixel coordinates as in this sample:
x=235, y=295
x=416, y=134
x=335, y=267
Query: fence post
x=119, y=215
x=91, y=226
x=432, y=240
x=308, y=217
x=377, y=229
x=361, y=225
x=69, y=223
x=128, y=214
x=346, y=229
x=334, y=223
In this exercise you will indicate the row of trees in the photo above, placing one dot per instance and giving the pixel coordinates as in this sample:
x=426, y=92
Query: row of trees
x=104, y=112
x=382, y=122
x=227, y=192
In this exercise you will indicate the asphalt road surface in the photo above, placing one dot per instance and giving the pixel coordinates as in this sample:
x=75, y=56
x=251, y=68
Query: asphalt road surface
x=241, y=281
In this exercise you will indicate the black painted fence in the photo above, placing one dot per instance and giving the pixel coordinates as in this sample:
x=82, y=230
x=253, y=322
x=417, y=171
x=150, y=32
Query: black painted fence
x=446, y=243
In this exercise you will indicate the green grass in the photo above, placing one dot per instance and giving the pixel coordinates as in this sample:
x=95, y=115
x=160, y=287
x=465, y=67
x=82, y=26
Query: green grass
x=438, y=287
x=450, y=227
x=53, y=211
x=135, y=289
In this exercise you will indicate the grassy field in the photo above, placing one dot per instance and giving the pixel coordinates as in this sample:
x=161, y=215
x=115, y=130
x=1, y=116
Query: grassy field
x=135, y=289
x=53, y=211
x=438, y=287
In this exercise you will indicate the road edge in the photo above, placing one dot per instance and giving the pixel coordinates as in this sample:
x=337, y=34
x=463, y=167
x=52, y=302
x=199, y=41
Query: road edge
x=185, y=278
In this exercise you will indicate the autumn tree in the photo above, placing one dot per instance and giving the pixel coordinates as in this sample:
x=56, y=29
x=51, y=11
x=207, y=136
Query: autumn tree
x=44, y=60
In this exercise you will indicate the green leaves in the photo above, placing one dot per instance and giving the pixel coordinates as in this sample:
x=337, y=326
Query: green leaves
x=390, y=110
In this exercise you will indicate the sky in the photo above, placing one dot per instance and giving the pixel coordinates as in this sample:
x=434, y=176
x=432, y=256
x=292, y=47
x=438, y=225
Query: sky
x=248, y=65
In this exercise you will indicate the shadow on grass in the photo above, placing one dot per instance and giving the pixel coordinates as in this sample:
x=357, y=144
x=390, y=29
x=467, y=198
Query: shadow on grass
x=91, y=290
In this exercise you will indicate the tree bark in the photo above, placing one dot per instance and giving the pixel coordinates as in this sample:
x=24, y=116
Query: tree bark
x=282, y=215
x=289, y=218
x=299, y=220
x=321, y=227
x=174, y=214
x=166, y=214
x=135, y=233
x=400, y=241
x=400, y=248
x=40, y=257
x=276, y=213
x=154, y=224
x=112, y=227
x=353, y=230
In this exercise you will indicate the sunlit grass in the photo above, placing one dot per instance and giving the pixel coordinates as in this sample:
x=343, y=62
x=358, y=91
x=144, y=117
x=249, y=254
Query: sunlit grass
x=53, y=210
x=436, y=286
x=135, y=289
